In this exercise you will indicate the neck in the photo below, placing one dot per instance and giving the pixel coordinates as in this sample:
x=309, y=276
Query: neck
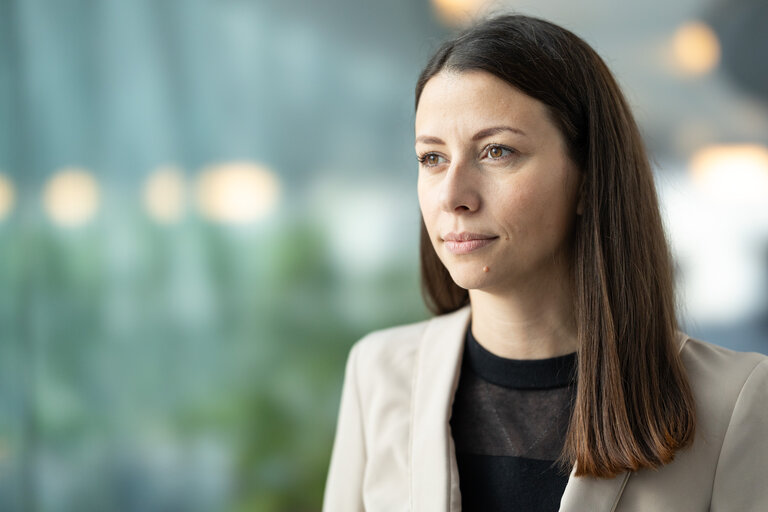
x=537, y=324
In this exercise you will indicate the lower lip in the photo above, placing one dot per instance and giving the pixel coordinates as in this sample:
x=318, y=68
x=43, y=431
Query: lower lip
x=466, y=246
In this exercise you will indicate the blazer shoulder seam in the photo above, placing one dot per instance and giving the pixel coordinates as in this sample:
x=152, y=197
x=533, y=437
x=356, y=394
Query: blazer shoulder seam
x=621, y=491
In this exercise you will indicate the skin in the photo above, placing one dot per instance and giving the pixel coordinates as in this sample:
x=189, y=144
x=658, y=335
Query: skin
x=516, y=184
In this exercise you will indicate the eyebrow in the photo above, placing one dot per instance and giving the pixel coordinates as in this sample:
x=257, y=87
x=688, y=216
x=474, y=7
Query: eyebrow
x=482, y=134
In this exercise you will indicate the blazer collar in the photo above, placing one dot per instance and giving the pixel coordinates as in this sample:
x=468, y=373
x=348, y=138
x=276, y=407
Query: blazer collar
x=434, y=471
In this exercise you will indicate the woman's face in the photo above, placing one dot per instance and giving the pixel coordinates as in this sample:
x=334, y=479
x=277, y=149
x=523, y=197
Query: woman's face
x=497, y=190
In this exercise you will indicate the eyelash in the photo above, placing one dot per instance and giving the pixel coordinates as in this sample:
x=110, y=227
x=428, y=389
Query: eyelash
x=487, y=148
x=422, y=158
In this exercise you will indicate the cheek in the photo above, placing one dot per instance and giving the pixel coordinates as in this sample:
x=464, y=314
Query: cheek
x=536, y=209
x=518, y=209
x=556, y=211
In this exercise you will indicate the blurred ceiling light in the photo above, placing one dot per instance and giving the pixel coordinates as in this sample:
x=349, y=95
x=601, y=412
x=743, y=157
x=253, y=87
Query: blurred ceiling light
x=7, y=196
x=458, y=12
x=737, y=173
x=71, y=197
x=696, y=48
x=165, y=194
x=237, y=192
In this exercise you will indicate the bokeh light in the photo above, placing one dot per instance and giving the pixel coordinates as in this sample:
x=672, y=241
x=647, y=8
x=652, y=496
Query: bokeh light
x=71, y=197
x=185, y=349
x=459, y=12
x=7, y=196
x=237, y=192
x=165, y=195
x=734, y=173
x=696, y=48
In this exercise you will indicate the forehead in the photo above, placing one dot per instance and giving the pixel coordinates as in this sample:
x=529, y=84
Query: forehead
x=474, y=100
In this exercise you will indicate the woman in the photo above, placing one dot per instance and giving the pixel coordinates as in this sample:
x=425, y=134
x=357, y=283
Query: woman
x=553, y=376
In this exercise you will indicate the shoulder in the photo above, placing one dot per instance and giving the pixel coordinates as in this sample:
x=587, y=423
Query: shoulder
x=389, y=345
x=710, y=365
x=721, y=379
x=396, y=345
x=388, y=360
x=383, y=365
x=719, y=470
x=731, y=390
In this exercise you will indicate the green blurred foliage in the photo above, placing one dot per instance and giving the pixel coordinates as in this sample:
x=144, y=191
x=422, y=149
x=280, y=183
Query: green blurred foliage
x=112, y=372
x=193, y=366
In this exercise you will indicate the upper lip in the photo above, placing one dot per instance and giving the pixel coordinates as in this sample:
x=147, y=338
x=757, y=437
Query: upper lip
x=466, y=236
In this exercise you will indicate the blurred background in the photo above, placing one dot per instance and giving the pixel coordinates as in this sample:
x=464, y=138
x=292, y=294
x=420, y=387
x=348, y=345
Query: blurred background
x=205, y=203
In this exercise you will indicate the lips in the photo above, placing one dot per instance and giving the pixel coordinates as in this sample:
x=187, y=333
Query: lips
x=464, y=243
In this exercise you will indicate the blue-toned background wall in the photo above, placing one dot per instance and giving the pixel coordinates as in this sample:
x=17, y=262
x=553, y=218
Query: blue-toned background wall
x=204, y=203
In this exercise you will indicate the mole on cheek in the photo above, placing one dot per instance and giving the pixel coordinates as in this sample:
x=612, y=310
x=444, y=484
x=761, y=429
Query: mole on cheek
x=486, y=269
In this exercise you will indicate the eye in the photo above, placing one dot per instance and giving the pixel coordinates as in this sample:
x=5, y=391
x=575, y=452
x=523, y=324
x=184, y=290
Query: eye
x=431, y=159
x=497, y=152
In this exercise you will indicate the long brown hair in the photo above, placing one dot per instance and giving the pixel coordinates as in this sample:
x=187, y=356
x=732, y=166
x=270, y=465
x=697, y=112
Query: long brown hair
x=634, y=407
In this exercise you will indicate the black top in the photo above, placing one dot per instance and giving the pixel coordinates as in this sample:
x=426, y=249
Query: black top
x=509, y=422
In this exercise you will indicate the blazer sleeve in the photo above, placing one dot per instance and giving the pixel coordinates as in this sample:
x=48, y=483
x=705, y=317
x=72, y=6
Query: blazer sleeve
x=344, y=486
x=743, y=464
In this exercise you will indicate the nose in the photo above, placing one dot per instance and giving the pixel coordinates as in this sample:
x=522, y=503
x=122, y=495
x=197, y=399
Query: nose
x=458, y=189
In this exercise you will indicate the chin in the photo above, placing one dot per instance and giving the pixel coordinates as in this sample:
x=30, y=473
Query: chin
x=470, y=279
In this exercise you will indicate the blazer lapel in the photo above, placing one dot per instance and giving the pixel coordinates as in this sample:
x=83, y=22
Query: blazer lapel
x=589, y=494
x=434, y=473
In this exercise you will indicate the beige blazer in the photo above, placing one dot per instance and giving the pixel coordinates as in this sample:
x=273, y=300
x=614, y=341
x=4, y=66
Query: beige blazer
x=394, y=451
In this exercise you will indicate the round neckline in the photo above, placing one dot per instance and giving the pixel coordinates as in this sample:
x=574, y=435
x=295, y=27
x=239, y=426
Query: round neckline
x=552, y=372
